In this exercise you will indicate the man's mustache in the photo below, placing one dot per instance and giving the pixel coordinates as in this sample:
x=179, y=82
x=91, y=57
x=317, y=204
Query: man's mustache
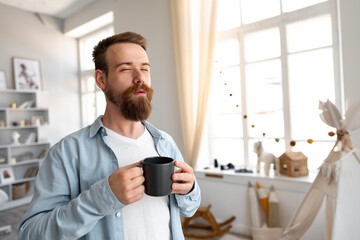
x=136, y=88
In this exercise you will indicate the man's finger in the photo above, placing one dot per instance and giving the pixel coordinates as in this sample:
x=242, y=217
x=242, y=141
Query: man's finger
x=184, y=177
x=138, y=180
x=129, y=166
x=135, y=172
x=132, y=165
x=136, y=195
x=181, y=188
x=184, y=166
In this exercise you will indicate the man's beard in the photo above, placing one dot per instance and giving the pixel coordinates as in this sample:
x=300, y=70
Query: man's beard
x=134, y=108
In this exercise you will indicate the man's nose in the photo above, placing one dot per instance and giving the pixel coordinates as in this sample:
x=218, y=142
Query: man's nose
x=139, y=81
x=139, y=78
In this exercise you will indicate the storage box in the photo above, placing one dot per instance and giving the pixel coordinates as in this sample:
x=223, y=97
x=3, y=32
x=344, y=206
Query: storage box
x=293, y=164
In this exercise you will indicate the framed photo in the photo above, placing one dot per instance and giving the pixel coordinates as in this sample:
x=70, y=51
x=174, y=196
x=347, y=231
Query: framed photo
x=27, y=74
x=7, y=175
x=3, y=80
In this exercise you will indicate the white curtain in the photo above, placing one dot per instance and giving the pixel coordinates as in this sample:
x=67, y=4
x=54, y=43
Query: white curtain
x=192, y=72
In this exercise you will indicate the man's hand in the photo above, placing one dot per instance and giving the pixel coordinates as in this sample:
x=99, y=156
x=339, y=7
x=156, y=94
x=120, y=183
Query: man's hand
x=183, y=178
x=126, y=183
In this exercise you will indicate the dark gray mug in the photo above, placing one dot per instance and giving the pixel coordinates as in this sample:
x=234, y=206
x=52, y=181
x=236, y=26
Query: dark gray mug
x=158, y=173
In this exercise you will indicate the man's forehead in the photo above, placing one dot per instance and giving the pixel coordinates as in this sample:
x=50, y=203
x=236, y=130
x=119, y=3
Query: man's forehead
x=126, y=49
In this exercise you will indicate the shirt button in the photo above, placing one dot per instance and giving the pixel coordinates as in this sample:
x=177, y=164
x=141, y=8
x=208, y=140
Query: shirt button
x=118, y=214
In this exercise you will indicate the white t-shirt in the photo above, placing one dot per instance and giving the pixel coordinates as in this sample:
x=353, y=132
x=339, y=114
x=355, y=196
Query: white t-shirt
x=148, y=218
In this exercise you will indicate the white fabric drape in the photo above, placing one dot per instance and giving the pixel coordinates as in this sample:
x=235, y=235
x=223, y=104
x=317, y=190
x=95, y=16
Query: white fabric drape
x=193, y=105
x=311, y=205
x=337, y=181
x=347, y=215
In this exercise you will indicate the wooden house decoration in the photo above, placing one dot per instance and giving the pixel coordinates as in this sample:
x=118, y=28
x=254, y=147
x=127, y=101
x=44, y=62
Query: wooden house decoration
x=293, y=164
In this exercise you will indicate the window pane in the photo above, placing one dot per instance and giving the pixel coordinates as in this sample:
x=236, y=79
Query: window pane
x=100, y=103
x=310, y=82
x=228, y=14
x=264, y=99
x=227, y=53
x=227, y=125
x=256, y=10
x=262, y=45
x=228, y=151
x=316, y=152
x=291, y=5
x=88, y=84
x=314, y=33
x=87, y=44
x=88, y=108
x=309, y=64
x=227, y=91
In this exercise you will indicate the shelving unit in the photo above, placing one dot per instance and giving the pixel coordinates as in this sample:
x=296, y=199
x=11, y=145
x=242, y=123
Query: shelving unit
x=21, y=153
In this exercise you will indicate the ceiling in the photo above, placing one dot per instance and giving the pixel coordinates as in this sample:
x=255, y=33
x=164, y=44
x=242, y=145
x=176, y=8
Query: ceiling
x=55, y=8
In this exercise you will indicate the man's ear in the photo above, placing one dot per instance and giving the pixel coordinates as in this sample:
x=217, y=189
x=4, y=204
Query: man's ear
x=100, y=78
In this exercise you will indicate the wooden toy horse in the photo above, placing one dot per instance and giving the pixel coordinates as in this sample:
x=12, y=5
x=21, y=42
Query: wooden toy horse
x=266, y=158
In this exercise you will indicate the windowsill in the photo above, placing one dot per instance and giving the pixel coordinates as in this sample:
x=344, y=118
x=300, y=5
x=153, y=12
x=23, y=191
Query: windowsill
x=281, y=182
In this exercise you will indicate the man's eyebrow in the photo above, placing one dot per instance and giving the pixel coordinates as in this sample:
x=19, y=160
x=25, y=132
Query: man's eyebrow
x=122, y=63
x=130, y=63
x=146, y=64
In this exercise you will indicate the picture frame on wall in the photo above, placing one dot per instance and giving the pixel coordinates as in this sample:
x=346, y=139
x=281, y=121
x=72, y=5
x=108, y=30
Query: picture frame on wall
x=27, y=74
x=3, y=80
x=6, y=175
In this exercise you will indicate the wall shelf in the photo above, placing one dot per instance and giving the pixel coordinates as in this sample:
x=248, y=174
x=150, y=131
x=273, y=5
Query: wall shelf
x=21, y=153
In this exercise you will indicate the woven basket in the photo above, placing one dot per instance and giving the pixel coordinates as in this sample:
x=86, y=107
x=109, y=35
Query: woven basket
x=19, y=190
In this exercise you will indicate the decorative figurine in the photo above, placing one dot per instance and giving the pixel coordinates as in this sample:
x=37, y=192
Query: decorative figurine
x=216, y=164
x=15, y=137
x=266, y=158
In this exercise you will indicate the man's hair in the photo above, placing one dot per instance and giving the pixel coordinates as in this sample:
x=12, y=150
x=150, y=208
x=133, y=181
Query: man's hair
x=99, y=53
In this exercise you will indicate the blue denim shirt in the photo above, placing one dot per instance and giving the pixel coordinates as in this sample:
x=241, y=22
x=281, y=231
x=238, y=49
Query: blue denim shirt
x=73, y=199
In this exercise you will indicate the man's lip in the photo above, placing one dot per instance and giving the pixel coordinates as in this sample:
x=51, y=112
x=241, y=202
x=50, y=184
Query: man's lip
x=140, y=92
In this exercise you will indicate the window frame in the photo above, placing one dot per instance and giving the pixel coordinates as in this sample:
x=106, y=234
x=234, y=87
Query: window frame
x=88, y=73
x=280, y=22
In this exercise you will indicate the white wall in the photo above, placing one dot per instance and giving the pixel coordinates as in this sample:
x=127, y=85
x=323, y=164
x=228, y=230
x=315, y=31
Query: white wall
x=349, y=21
x=24, y=35
x=152, y=19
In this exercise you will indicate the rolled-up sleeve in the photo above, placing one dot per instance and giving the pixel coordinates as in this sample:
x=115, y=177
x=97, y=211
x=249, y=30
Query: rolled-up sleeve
x=60, y=208
x=190, y=202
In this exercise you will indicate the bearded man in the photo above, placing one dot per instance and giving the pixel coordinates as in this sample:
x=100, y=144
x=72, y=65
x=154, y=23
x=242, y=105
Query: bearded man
x=89, y=185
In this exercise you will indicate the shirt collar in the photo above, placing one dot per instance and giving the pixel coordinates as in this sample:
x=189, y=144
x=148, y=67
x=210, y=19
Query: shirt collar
x=97, y=125
x=155, y=133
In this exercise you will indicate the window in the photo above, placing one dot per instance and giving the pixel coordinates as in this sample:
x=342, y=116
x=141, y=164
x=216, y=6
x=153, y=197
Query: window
x=92, y=98
x=274, y=61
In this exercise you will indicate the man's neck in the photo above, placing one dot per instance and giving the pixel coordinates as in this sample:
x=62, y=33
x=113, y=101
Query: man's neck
x=127, y=128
